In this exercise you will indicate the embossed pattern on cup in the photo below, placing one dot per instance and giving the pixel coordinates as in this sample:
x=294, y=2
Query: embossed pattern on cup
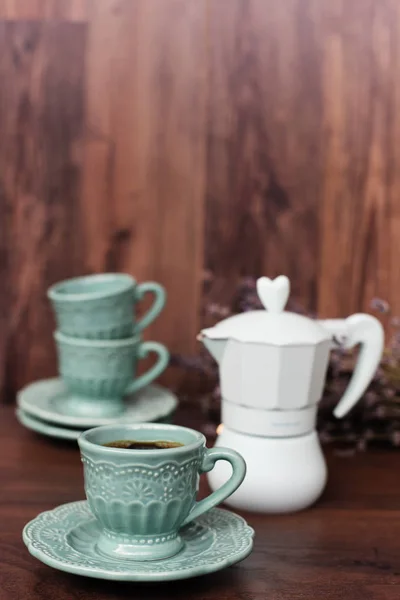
x=98, y=373
x=141, y=498
x=102, y=306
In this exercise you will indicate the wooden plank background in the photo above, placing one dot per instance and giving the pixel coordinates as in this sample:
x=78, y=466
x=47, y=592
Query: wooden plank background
x=174, y=138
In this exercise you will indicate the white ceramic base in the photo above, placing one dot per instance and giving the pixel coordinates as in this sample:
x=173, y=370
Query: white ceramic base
x=268, y=423
x=283, y=474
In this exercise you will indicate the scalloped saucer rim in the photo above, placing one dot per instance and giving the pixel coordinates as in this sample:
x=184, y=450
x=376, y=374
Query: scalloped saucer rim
x=224, y=538
x=151, y=403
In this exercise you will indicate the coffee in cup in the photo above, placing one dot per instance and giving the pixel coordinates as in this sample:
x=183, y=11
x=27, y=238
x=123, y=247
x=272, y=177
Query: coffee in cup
x=142, y=445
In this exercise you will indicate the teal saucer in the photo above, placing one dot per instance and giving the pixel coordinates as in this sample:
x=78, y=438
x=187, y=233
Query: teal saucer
x=49, y=429
x=62, y=433
x=66, y=538
x=45, y=399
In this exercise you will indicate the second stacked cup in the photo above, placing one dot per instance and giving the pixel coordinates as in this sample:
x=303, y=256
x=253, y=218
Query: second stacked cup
x=99, y=343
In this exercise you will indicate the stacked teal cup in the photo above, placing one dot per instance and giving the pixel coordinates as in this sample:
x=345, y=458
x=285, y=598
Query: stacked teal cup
x=99, y=342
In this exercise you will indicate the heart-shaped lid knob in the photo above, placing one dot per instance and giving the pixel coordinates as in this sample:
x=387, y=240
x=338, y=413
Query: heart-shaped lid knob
x=273, y=293
x=273, y=326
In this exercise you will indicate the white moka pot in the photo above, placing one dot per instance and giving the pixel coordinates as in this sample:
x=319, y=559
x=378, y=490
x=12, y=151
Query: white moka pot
x=272, y=370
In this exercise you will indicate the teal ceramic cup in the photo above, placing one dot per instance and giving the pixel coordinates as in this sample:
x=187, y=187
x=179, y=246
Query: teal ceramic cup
x=103, y=306
x=98, y=373
x=142, y=498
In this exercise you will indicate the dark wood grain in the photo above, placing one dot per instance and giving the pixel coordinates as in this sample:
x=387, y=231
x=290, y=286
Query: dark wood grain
x=303, y=149
x=70, y=10
x=263, y=142
x=360, y=205
x=145, y=156
x=41, y=121
x=102, y=163
x=344, y=548
x=170, y=137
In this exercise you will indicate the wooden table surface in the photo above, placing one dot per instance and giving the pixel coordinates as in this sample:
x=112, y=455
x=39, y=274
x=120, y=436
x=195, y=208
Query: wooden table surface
x=347, y=547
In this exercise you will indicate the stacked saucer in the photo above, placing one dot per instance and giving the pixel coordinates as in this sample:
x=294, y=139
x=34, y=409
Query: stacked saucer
x=40, y=408
x=99, y=346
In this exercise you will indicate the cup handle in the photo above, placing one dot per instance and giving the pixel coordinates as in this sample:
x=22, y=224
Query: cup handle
x=155, y=370
x=238, y=473
x=157, y=306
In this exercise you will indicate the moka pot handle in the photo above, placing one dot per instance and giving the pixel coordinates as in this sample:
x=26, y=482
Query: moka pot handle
x=358, y=329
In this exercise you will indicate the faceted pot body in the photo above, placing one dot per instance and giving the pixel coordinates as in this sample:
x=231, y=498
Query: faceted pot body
x=267, y=376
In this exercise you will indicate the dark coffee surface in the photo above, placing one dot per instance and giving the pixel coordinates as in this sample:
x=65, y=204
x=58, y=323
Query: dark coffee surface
x=141, y=445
